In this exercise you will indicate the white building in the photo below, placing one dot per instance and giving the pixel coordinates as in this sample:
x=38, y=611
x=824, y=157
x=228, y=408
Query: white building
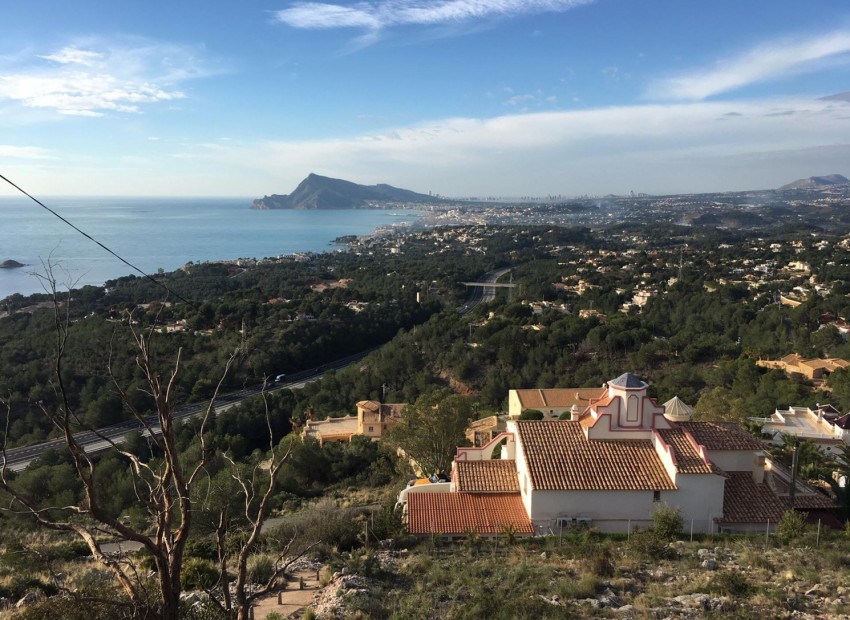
x=823, y=426
x=609, y=469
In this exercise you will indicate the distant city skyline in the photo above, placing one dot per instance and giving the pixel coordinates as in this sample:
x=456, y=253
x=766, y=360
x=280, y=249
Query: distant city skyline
x=455, y=97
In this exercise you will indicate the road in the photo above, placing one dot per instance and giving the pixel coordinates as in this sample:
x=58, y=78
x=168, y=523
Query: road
x=95, y=441
x=483, y=294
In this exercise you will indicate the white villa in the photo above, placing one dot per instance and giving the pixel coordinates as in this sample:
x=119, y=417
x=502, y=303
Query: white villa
x=824, y=426
x=608, y=468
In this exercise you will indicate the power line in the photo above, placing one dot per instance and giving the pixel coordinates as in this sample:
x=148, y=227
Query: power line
x=90, y=238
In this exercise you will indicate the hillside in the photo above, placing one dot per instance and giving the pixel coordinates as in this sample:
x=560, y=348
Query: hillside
x=817, y=182
x=318, y=192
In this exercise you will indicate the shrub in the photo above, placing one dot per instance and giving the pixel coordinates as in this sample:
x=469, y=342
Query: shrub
x=585, y=587
x=260, y=569
x=646, y=543
x=600, y=562
x=729, y=583
x=198, y=574
x=667, y=522
x=531, y=414
x=791, y=527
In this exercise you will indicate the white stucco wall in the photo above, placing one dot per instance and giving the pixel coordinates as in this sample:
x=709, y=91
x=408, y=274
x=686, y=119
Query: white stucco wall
x=699, y=498
x=734, y=460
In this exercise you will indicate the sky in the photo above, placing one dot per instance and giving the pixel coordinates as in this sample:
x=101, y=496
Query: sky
x=460, y=98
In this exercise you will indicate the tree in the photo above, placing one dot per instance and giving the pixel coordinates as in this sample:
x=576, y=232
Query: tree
x=531, y=414
x=164, y=484
x=431, y=429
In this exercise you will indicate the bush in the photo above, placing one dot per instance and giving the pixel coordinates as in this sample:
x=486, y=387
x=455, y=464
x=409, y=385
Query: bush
x=198, y=574
x=531, y=414
x=260, y=569
x=729, y=583
x=646, y=543
x=600, y=562
x=791, y=527
x=667, y=522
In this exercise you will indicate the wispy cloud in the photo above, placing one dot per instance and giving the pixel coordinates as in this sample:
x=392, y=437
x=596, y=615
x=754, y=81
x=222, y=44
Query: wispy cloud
x=659, y=147
x=24, y=152
x=765, y=62
x=95, y=77
x=387, y=13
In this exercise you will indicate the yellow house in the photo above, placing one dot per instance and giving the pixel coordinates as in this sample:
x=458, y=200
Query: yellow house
x=372, y=420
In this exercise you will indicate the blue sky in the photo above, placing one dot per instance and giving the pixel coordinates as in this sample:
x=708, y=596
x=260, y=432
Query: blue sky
x=457, y=97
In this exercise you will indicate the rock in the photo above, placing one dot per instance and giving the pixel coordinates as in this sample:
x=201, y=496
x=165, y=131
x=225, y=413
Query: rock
x=590, y=602
x=709, y=565
x=625, y=609
x=816, y=590
x=553, y=600
x=543, y=555
x=698, y=600
x=703, y=553
x=609, y=599
x=11, y=264
x=28, y=599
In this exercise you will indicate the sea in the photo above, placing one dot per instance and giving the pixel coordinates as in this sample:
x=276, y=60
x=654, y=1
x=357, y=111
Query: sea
x=162, y=233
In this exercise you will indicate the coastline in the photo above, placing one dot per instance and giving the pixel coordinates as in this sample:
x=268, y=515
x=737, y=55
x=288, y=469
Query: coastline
x=165, y=235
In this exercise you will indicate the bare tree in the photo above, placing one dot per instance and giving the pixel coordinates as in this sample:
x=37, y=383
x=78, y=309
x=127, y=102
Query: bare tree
x=163, y=485
x=250, y=489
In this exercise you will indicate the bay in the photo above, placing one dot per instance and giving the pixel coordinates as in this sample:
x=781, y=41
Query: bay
x=162, y=233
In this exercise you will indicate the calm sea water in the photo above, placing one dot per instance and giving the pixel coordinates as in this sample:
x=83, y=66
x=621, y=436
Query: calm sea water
x=155, y=233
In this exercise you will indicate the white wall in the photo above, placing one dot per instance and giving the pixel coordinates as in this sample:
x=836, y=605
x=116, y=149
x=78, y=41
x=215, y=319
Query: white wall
x=699, y=498
x=733, y=460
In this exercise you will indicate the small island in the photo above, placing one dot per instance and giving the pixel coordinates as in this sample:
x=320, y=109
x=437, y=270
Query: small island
x=11, y=264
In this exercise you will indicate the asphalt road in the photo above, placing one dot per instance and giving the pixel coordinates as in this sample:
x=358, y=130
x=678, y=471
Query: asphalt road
x=95, y=441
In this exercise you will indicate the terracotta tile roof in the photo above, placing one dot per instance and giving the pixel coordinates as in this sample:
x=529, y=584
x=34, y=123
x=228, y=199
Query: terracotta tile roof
x=720, y=435
x=561, y=458
x=688, y=459
x=814, y=501
x=806, y=497
x=745, y=501
x=496, y=476
x=559, y=397
x=461, y=513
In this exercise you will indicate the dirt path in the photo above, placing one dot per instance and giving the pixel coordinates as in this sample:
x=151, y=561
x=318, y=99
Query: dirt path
x=292, y=599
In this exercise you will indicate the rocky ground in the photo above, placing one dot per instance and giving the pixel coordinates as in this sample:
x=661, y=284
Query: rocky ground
x=739, y=581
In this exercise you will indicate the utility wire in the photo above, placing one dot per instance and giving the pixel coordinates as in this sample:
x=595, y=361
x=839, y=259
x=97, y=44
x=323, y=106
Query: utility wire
x=90, y=238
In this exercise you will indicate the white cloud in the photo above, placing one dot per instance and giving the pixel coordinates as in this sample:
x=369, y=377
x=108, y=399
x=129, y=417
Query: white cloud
x=763, y=63
x=674, y=147
x=24, y=152
x=387, y=13
x=93, y=77
x=72, y=55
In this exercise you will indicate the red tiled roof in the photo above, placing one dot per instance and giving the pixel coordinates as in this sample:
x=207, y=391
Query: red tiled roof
x=495, y=476
x=462, y=513
x=560, y=458
x=745, y=501
x=688, y=459
x=559, y=397
x=814, y=501
x=720, y=435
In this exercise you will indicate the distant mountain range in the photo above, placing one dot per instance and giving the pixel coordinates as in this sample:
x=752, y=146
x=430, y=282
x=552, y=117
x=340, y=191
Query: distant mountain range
x=817, y=182
x=318, y=192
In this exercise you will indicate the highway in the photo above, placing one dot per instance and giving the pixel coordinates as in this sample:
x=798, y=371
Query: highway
x=17, y=459
x=483, y=294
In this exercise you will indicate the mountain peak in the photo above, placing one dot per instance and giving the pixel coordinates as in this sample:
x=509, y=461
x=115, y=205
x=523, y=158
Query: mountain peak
x=817, y=182
x=318, y=192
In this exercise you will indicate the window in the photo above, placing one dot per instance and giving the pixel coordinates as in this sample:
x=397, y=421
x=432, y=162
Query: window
x=371, y=429
x=656, y=496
